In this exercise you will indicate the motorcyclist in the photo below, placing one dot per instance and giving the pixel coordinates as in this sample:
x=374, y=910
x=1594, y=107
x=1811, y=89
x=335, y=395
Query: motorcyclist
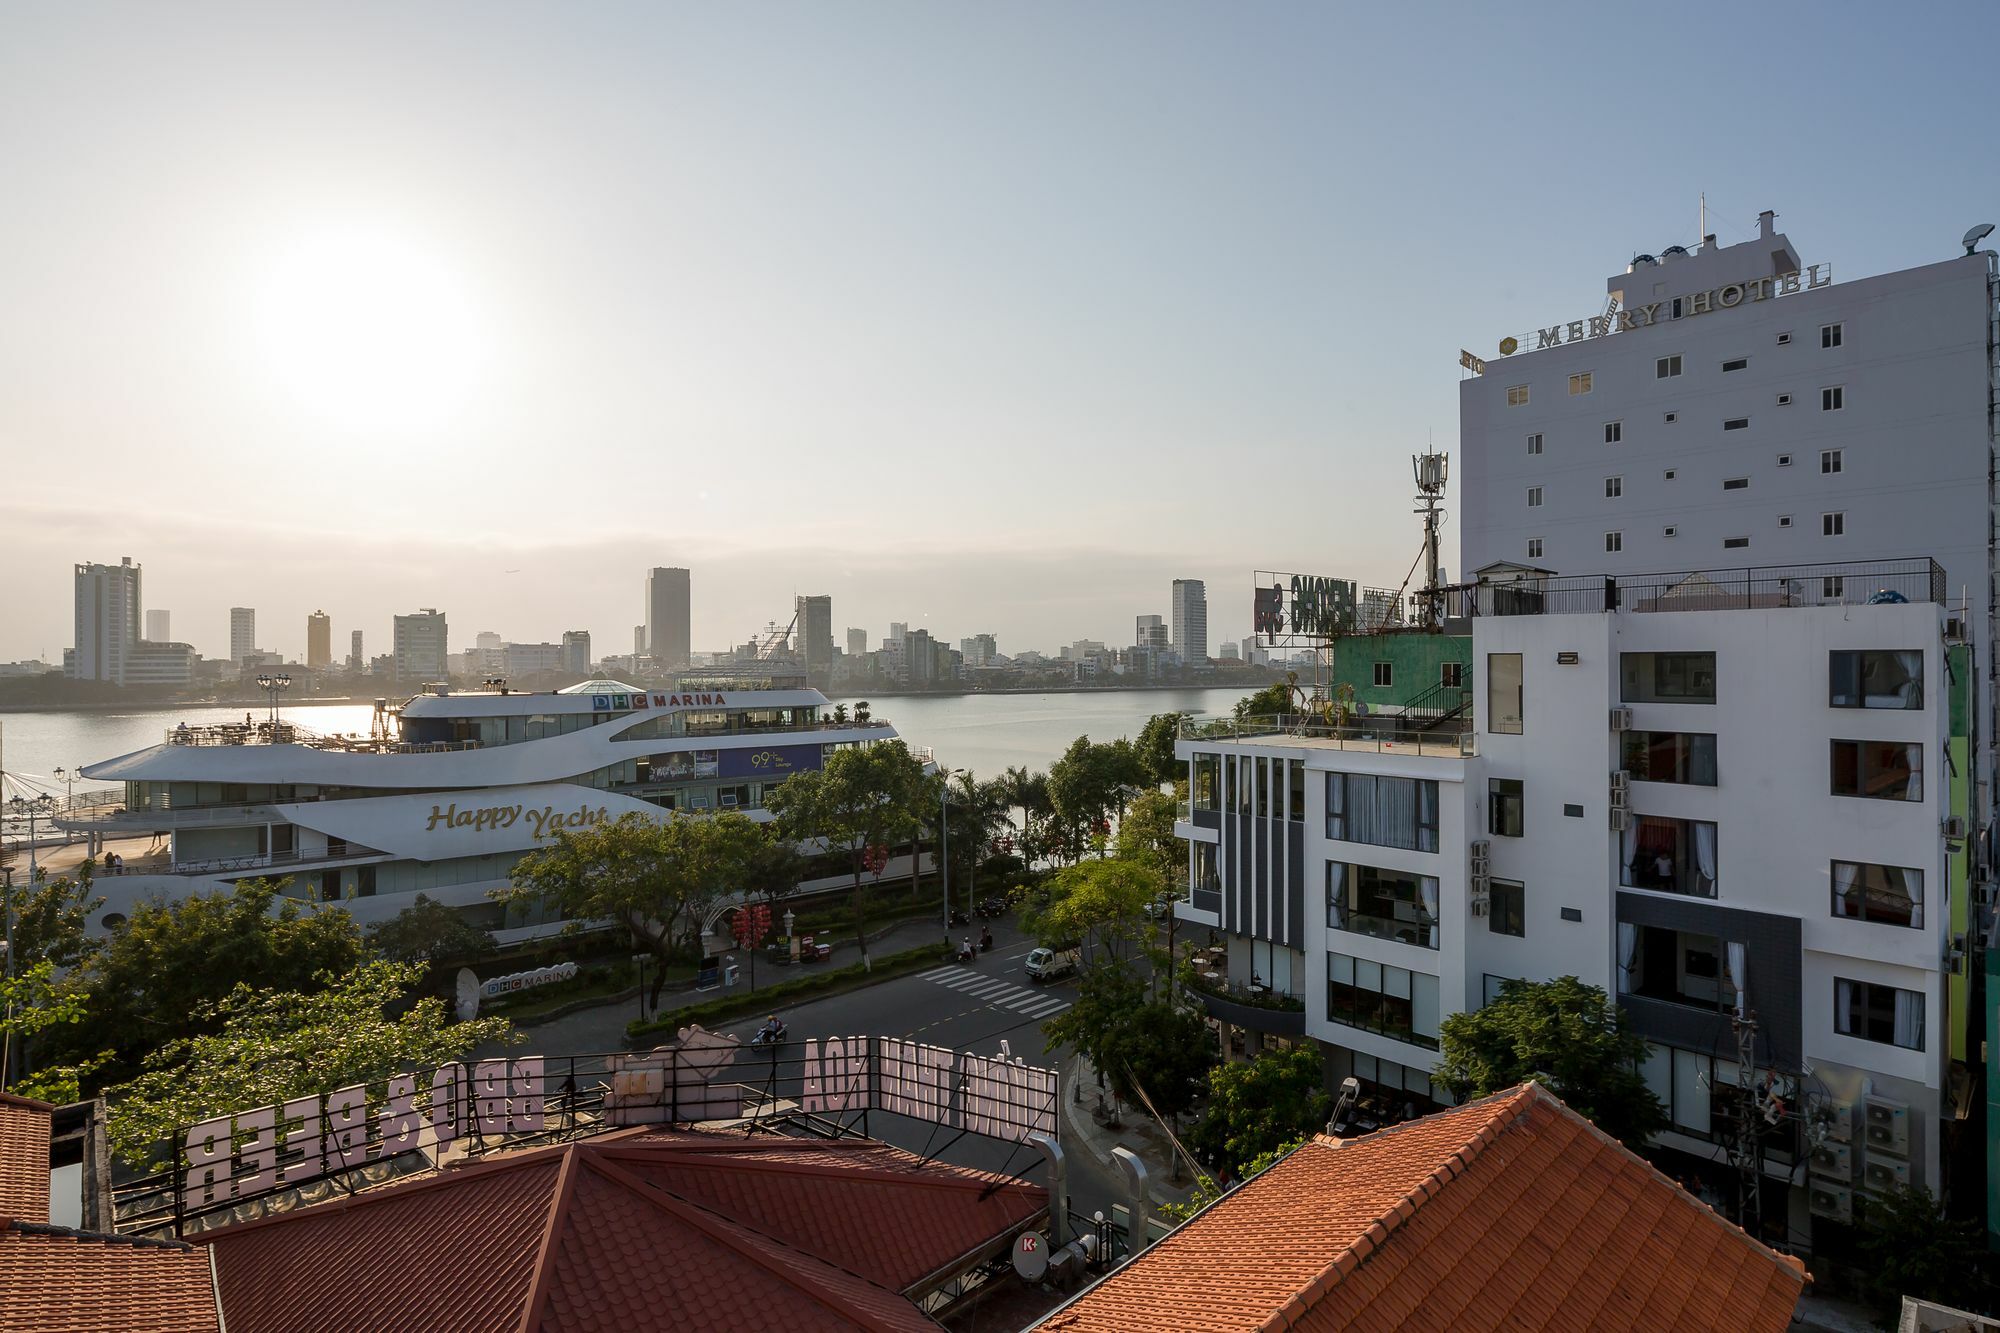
x=769, y=1032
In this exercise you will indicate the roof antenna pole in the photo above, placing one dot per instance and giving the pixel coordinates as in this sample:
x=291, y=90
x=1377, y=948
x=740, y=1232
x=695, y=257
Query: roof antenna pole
x=1703, y=231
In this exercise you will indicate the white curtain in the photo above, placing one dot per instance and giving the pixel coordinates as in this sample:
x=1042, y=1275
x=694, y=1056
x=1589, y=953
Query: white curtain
x=1704, y=854
x=1737, y=978
x=1844, y=1018
x=1361, y=807
x=1628, y=954
x=1336, y=805
x=1427, y=816
x=1629, y=851
x=1396, y=812
x=1427, y=891
x=1846, y=882
x=1913, y=758
x=1910, y=1020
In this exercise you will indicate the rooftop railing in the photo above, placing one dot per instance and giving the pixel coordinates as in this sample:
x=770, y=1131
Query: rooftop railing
x=1383, y=733
x=1765, y=587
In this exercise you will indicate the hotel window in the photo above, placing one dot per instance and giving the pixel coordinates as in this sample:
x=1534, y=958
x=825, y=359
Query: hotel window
x=1734, y=543
x=1614, y=431
x=1393, y=1001
x=1784, y=460
x=1503, y=694
x=1534, y=497
x=1737, y=423
x=1876, y=678
x=1784, y=400
x=1666, y=367
x=1614, y=542
x=1534, y=548
x=1878, y=770
x=1832, y=399
x=1881, y=895
x=1505, y=798
x=1784, y=339
x=1686, y=757
x=1784, y=520
x=1207, y=775
x=1382, y=812
x=1668, y=531
x=1829, y=461
x=1535, y=443
x=1667, y=678
x=1517, y=395
x=1740, y=363
x=1295, y=790
x=1833, y=525
x=1614, y=487
x=1829, y=335
x=1579, y=384
x=1385, y=675
x=1668, y=856
x=1386, y=904
x=1507, y=905
x=1451, y=675
x=1875, y=1012
x=1833, y=587
x=1677, y=966
x=1736, y=484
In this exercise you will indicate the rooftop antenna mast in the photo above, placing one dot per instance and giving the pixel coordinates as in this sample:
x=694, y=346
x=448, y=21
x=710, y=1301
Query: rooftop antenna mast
x=1431, y=471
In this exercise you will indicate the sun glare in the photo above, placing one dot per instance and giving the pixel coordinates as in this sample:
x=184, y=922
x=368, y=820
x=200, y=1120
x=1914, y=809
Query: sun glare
x=365, y=329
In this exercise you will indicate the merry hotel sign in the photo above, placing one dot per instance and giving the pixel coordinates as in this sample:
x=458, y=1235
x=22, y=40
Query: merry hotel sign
x=1687, y=306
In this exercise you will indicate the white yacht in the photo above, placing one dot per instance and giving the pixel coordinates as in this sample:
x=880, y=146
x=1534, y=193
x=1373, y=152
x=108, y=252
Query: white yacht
x=447, y=792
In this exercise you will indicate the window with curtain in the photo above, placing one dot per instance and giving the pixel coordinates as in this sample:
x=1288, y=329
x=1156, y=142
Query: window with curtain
x=1884, y=895
x=1668, y=856
x=1879, y=770
x=1387, y=904
x=1670, y=756
x=1504, y=715
x=1382, y=812
x=1875, y=1012
x=1667, y=678
x=1889, y=678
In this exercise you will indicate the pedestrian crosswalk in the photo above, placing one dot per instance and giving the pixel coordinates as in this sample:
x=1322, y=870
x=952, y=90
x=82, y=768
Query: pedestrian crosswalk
x=1028, y=1001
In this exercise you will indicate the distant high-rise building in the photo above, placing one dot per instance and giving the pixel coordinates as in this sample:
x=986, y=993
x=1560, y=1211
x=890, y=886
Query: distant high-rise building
x=421, y=646
x=107, y=619
x=355, y=661
x=980, y=650
x=919, y=661
x=815, y=616
x=638, y=641
x=527, y=659
x=1152, y=632
x=159, y=626
x=897, y=630
x=669, y=617
x=242, y=632
x=152, y=663
x=319, y=639
x=576, y=652
x=486, y=641
x=1190, y=611
x=857, y=643
x=1229, y=652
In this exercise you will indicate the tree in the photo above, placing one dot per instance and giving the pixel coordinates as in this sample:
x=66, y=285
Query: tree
x=1259, y=1107
x=1155, y=748
x=866, y=796
x=1146, y=839
x=1087, y=785
x=428, y=931
x=654, y=877
x=52, y=917
x=1029, y=793
x=31, y=1002
x=1099, y=906
x=263, y=1047
x=974, y=810
x=1910, y=1248
x=157, y=978
x=1275, y=698
x=1561, y=1033
x=1163, y=1051
x=1105, y=998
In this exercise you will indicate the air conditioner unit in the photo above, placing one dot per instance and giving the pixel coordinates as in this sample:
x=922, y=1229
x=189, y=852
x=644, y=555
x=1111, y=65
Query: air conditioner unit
x=1621, y=819
x=1621, y=719
x=1833, y=1202
x=1884, y=1175
x=1888, y=1126
x=1482, y=856
x=1838, y=1118
x=1834, y=1161
x=1954, y=826
x=1621, y=782
x=1954, y=629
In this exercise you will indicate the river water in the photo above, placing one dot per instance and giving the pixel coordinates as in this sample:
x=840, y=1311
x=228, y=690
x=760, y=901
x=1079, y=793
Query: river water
x=985, y=733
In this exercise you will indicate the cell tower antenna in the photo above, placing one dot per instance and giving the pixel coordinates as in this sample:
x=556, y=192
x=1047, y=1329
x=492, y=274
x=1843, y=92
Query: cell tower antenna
x=1432, y=471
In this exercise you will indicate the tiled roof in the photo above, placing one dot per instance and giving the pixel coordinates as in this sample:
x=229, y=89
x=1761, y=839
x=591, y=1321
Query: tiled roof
x=54, y=1280
x=1512, y=1212
x=24, y=1158
x=631, y=1230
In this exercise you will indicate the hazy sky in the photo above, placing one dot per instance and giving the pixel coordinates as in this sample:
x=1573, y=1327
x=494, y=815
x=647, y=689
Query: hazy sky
x=983, y=317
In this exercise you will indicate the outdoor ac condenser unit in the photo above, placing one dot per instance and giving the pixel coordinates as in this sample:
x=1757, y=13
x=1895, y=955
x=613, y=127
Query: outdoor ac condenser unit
x=1835, y=1162
x=1888, y=1126
x=1621, y=719
x=1833, y=1202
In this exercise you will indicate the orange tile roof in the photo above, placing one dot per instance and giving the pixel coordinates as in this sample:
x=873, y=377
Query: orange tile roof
x=24, y=1158
x=1512, y=1212
x=638, y=1229
x=55, y=1280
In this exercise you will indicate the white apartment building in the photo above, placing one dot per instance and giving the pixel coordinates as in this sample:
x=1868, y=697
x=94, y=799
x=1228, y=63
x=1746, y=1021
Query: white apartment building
x=242, y=633
x=151, y=663
x=1737, y=811
x=1190, y=628
x=420, y=646
x=107, y=621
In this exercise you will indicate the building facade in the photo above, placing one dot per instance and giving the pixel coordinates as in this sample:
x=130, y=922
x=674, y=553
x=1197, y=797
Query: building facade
x=815, y=629
x=319, y=640
x=356, y=660
x=576, y=652
x=160, y=626
x=669, y=629
x=170, y=664
x=107, y=620
x=857, y=642
x=242, y=632
x=1190, y=632
x=420, y=647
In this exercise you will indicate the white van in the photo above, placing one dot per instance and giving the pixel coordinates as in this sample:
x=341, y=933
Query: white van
x=1048, y=964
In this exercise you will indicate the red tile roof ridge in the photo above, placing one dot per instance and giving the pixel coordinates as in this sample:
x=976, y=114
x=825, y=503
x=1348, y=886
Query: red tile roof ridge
x=543, y=1266
x=928, y=1175
x=791, y=1267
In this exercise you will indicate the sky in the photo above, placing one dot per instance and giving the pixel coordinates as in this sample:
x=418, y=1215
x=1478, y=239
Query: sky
x=987, y=318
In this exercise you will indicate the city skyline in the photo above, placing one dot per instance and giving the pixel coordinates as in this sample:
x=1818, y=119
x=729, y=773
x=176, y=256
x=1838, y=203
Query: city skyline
x=466, y=370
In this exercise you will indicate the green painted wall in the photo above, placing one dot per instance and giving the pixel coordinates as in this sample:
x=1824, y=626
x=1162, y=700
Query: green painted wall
x=1415, y=661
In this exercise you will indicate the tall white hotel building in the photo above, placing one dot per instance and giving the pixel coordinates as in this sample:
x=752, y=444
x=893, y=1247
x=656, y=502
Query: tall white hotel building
x=1726, y=747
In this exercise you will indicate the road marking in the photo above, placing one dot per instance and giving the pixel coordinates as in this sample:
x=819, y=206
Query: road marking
x=936, y=972
x=988, y=990
x=1028, y=1002
x=959, y=979
x=1047, y=1010
x=1032, y=1002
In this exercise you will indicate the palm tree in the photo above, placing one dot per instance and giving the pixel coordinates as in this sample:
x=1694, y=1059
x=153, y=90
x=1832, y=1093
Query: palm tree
x=840, y=712
x=1027, y=792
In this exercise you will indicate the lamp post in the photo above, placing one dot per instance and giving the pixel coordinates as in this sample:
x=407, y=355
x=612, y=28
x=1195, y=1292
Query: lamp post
x=273, y=686
x=944, y=842
x=640, y=959
x=30, y=810
x=69, y=777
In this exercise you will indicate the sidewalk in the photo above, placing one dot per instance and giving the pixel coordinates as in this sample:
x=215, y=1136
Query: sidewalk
x=1137, y=1132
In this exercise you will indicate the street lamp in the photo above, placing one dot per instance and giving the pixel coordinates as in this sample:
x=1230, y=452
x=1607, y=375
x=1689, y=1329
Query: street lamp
x=944, y=842
x=31, y=810
x=273, y=686
x=69, y=777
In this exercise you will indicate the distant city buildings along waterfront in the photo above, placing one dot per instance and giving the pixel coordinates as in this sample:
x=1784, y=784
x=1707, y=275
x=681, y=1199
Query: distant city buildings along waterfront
x=107, y=621
x=815, y=631
x=419, y=647
x=668, y=631
x=319, y=640
x=1190, y=630
x=159, y=626
x=242, y=633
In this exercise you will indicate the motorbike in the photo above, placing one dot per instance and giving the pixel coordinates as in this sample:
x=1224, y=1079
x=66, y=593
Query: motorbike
x=958, y=918
x=985, y=940
x=966, y=953
x=992, y=907
x=769, y=1038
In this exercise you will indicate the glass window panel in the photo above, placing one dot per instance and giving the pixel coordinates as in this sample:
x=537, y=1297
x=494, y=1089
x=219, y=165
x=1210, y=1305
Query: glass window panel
x=1672, y=678
x=1503, y=694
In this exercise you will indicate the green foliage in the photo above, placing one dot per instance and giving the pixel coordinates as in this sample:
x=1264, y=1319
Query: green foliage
x=1099, y=906
x=813, y=985
x=262, y=1047
x=428, y=931
x=1086, y=785
x=1259, y=1107
x=1029, y=793
x=159, y=976
x=1163, y=1049
x=866, y=796
x=1154, y=749
x=1909, y=1247
x=1273, y=698
x=1565, y=1034
x=1146, y=837
x=52, y=917
x=1105, y=998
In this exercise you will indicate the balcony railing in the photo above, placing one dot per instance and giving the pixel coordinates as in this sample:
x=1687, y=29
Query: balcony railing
x=1765, y=587
x=1385, y=735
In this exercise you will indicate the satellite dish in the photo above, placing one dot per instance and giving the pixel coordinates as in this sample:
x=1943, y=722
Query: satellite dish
x=1976, y=235
x=1031, y=1256
x=468, y=995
